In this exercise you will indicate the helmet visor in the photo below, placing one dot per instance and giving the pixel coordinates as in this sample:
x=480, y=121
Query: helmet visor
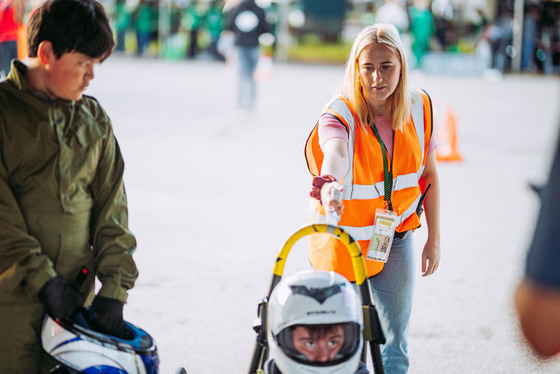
x=320, y=345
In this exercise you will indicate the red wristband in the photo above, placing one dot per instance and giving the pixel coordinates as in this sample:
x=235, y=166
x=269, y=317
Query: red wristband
x=318, y=183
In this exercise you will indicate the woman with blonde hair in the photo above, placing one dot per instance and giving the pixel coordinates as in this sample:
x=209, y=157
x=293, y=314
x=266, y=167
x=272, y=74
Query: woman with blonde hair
x=374, y=143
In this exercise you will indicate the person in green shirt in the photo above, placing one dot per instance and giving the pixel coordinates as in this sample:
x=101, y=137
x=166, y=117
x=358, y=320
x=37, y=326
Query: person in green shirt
x=62, y=198
x=422, y=28
x=122, y=23
x=143, y=24
x=215, y=25
x=191, y=22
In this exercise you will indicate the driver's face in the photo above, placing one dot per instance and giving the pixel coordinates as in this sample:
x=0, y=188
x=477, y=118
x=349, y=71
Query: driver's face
x=318, y=347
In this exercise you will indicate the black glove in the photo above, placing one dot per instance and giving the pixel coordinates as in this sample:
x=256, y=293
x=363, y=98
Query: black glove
x=108, y=315
x=61, y=299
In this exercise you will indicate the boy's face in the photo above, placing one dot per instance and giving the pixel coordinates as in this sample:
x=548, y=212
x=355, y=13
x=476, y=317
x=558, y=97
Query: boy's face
x=318, y=347
x=67, y=77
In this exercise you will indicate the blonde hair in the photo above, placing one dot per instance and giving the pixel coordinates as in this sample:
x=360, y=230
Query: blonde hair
x=399, y=103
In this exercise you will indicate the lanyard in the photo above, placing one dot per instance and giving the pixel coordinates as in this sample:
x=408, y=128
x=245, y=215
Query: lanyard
x=387, y=172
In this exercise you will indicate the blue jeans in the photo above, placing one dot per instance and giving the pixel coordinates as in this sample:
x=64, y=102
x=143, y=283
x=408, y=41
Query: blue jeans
x=121, y=38
x=392, y=293
x=142, y=41
x=8, y=51
x=246, y=94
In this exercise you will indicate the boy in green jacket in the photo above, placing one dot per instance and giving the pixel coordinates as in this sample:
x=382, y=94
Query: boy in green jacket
x=62, y=198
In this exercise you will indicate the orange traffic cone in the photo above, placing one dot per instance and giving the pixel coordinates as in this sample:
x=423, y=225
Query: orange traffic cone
x=447, y=148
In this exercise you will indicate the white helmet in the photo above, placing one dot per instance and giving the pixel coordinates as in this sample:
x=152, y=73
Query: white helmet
x=320, y=299
x=77, y=347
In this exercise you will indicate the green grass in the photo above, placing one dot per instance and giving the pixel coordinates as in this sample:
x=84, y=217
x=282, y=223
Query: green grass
x=312, y=50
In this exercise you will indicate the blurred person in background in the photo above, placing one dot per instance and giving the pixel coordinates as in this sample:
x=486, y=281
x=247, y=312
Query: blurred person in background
x=142, y=16
x=421, y=28
x=500, y=37
x=377, y=133
x=548, y=52
x=445, y=34
x=394, y=12
x=531, y=37
x=248, y=22
x=191, y=22
x=537, y=297
x=11, y=19
x=122, y=23
x=215, y=24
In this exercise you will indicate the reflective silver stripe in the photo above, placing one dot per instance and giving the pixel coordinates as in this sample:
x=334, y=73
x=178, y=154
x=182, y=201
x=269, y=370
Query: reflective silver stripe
x=411, y=209
x=366, y=232
x=420, y=172
x=418, y=120
x=359, y=233
x=316, y=217
x=400, y=182
x=417, y=112
x=373, y=191
x=340, y=107
x=366, y=192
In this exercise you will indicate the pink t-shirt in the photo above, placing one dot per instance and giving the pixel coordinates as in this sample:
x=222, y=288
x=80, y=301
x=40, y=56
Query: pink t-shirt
x=330, y=127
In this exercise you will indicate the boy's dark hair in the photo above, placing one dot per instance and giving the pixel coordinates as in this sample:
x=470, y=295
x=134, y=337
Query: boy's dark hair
x=71, y=26
x=318, y=331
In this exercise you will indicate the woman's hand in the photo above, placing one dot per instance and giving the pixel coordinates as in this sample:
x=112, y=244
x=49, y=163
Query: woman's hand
x=431, y=256
x=329, y=204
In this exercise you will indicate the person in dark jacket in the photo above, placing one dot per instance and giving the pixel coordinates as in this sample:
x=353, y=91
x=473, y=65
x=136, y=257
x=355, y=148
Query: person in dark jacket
x=537, y=296
x=247, y=21
x=63, y=204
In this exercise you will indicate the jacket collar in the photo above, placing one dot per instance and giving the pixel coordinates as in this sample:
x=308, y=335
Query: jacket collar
x=17, y=77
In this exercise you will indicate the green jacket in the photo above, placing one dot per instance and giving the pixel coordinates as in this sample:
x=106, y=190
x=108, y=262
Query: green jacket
x=62, y=199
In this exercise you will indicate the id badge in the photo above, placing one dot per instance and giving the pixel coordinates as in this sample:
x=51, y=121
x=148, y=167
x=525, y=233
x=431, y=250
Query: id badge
x=383, y=232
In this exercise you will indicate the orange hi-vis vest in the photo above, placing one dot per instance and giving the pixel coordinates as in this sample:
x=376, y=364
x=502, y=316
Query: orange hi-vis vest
x=364, y=184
